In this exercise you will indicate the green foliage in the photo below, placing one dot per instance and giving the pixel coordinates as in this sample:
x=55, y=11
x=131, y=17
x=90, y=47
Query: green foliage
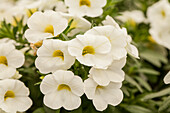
x=144, y=90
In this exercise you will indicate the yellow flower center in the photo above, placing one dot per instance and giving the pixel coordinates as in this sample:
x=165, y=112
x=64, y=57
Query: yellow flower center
x=88, y=50
x=58, y=53
x=29, y=12
x=132, y=22
x=99, y=87
x=63, y=86
x=9, y=94
x=38, y=44
x=73, y=24
x=49, y=29
x=163, y=13
x=3, y=60
x=85, y=2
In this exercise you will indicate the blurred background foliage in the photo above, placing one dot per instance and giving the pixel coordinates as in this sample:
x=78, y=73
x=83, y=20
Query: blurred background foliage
x=144, y=90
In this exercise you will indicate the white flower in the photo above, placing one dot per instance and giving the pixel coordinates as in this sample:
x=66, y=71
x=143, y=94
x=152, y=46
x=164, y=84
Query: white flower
x=53, y=55
x=103, y=95
x=92, y=8
x=58, y=5
x=45, y=25
x=62, y=89
x=78, y=25
x=114, y=73
x=110, y=21
x=116, y=37
x=159, y=13
x=135, y=16
x=7, y=40
x=10, y=59
x=14, y=96
x=161, y=35
x=131, y=49
x=167, y=78
x=91, y=50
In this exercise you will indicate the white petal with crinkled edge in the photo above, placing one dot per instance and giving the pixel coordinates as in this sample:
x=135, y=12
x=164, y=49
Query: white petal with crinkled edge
x=21, y=102
x=16, y=59
x=100, y=58
x=6, y=71
x=38, y=23
x=94, y=10
x=72, y=101
x=67, y=98
x=116, y=37
x=167, y=78
x=110, y=21
x=90, y=88
x=48, y=84
x=77, y=86
x=103, y=95
x=45, y=56
x=53, y=100
x=132, y=50
x=113, y=73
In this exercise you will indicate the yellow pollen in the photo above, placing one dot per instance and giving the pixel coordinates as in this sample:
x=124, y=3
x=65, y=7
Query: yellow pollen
x=3, y=60
x=63, y=86
x=58, y=53
x=85, y=2
x=49, y=29
x=29, y=12
x=9, y=94
x=99, y=87
x=73, y=24
x=88, y=50
x=163, y=13
x=38, y=44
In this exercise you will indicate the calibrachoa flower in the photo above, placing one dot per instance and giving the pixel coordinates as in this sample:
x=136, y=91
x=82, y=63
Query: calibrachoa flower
x=91, y=50
x=14, y=96
x=45, y=25
x=131, y=49
x=79, y=24
x=53, y=55
x=114, y=73
x=161, y=35
x=132, y=17
x=62, y=89
x=10, y=59
x=116, y=37
x=92, y=8
x=159, y=13
x=103, y=95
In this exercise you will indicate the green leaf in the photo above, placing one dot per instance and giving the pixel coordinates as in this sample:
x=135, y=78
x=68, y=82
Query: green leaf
x=143, y=83
x=165, y=105
x=149, y=71
x=156, y=94
x=153, y=57
x=137, y=109
x=133, y=82
x=49, y=110
x=39, y=110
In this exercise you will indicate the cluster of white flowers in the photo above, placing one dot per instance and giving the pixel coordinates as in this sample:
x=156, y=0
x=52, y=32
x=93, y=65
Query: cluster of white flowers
x=103, y=49
x=159, y=17
x=13, y=93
